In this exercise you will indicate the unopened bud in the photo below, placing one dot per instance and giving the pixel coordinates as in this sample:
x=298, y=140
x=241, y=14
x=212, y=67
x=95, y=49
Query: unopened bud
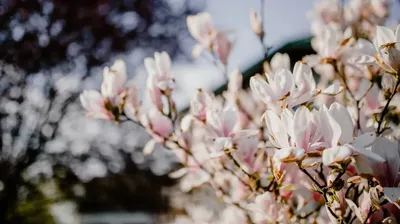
x=256, y=24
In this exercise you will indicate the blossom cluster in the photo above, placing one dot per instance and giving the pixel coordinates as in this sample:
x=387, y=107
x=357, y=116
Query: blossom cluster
x=314, y=144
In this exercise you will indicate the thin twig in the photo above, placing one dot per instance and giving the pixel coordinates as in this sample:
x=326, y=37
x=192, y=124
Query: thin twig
x=386, y=108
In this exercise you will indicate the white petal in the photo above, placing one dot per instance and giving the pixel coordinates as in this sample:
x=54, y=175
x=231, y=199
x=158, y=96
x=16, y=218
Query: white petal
x=363, y=60
x=150, y=66
x=398, y=34
x=302, y=127
x=333, y=89
x=355, y=209
x=365, y=140
x=329, y=127
x=149, y=147
x=179, y=173
x=283, y=83
x=276, y=128
x=336, y=154
x=288, y=121
x=197, y=50
x=262, y=89
x=384, y=35
x=163, y=62
x=303, y=76
x=280, y=61
x=343, y=118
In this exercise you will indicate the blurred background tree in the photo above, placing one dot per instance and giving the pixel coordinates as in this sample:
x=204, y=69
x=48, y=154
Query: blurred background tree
x=49, y=50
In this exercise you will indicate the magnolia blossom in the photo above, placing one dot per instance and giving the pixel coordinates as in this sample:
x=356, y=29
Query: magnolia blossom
x=95, y=105
x=202, y=29
x=387, y=46
x=295, y=135
x=267, y=209
x=337, y=131
x=157, y=124
x=287, y=89
x=159, y=71
x=222, y=47
x=132, y=103
x=104, y=105
x=222, y=126
x=199, y=104
x=310, y=159
x=114, y=79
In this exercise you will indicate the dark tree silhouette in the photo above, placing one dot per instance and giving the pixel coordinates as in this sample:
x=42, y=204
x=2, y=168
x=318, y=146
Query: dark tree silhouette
x=39, y=39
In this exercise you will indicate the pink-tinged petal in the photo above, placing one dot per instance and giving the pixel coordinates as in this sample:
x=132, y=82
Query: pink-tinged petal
x=229, y=120
x=260, y=162
x=201, y=27
x=154, y=93
x=343, y=118
x=159, y=123
x=330, y=129
x=302, y=127
x=246, y=142
x=132, y=103
x=336, y=154
x=277, y=129
x=199, y=103
x=333, y=89
x=222, y=46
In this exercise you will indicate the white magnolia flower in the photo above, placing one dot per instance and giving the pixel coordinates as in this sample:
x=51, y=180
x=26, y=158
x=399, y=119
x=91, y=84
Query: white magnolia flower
x=338, y=130
x=159, y=71
x=289, y=89
x=387, y=45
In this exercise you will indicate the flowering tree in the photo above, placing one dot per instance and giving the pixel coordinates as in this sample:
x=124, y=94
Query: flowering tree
x=315, y=144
